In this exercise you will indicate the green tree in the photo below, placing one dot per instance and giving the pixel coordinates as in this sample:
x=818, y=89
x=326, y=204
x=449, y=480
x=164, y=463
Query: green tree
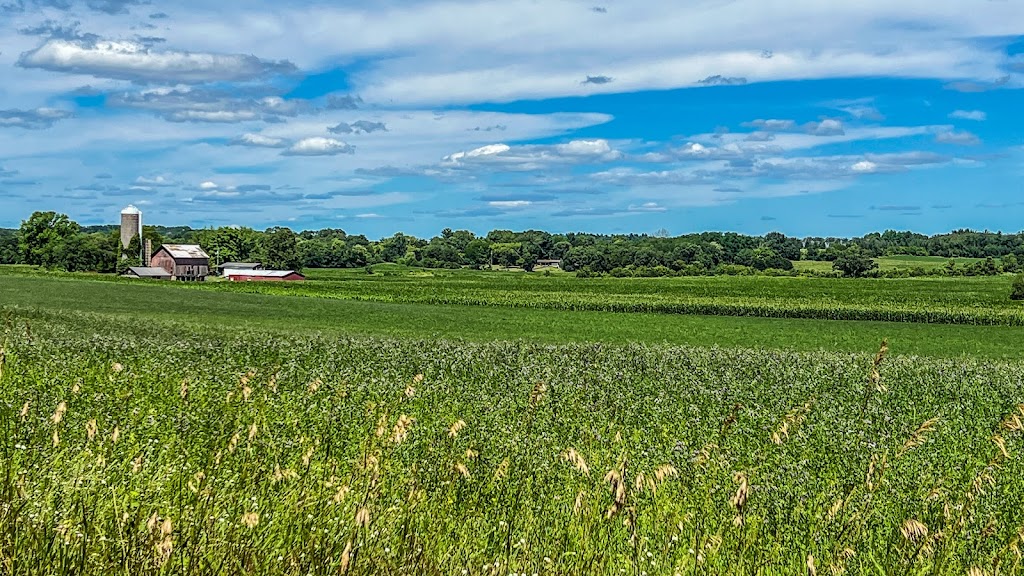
x=279, y=249
x=42, y=238
x=1017, y=291
x=854, y=263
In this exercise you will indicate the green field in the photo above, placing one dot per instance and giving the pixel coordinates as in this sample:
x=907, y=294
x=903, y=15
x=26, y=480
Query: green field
x=152, y=304
x=892, y=263
x=154, y=428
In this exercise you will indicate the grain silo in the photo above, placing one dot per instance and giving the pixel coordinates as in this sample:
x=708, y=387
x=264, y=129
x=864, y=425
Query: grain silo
x=131, y=226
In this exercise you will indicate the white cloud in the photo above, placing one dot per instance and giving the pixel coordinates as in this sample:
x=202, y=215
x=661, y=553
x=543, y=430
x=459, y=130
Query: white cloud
x=156, y=181
x=976, y=115
x=957, y=138
x=125, y=60
x=319, y=146
x=510, y=203
x=259, y=141
x=864, y=167
x=32, y=119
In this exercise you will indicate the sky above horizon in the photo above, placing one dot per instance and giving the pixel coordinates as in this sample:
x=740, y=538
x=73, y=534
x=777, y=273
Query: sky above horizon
x=799, y=116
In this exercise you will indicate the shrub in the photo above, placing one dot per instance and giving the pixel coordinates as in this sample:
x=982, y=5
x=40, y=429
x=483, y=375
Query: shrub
x=1017, y=292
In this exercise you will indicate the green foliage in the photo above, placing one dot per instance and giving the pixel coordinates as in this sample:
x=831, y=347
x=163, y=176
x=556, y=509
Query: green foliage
x=279, y=250
x=1017, y=290
x=43, y=239
x=854, y=263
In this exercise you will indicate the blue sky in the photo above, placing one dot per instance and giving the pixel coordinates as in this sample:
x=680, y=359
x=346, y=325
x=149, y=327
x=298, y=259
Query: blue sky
x=801, y=116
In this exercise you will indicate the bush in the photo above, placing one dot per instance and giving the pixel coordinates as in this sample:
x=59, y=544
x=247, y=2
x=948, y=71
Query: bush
x=1017, y=292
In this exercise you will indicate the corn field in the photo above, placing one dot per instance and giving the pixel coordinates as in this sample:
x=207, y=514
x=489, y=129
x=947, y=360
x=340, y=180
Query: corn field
x=166, y=450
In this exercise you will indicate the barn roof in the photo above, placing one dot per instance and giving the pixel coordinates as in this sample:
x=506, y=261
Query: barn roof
x=148, y=271
x=185, y=251
x=261, y=273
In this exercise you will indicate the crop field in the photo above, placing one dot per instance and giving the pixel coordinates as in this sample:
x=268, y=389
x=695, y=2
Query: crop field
x=158, y=428
x=152, y=450
x=981, y=301
x=63, y=299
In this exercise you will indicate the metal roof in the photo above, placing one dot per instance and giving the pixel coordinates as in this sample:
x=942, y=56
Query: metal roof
x=240, y=265
x=185, y=251
x=130, y=209
x=148, y=271
x=261, y=273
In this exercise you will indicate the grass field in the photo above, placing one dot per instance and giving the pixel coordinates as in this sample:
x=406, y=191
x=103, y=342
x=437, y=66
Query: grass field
x=156, y=428
x=142, y=448
x=892, y=263
x=66, y=299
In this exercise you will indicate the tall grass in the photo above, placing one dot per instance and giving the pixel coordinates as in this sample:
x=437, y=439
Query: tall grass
x=141, y=450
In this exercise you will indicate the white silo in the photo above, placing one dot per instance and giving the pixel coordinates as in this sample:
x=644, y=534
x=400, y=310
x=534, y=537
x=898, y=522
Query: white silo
x=131, y=226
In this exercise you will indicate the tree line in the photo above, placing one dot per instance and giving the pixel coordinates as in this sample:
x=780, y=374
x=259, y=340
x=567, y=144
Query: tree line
x=55, y=241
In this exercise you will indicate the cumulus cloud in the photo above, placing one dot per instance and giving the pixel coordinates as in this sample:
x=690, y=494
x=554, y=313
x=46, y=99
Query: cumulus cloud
x=125, y=60
x=258, y=141
x=358, y=127
x=319, y=146
x=36, y=119
x=976, y=115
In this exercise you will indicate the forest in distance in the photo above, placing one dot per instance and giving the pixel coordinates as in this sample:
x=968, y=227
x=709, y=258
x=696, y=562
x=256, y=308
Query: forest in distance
x=52, y=240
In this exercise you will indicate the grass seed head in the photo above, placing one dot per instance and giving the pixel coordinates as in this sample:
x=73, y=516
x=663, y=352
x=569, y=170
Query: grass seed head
x=537, y=394
x=250, y=519
x=115, y=435
x=812, y=570
x=913, y=530
x=24, y=411
x=91, y=429
x=576, y=459
x=363, y=517
x=58, y=414
x=455, y=428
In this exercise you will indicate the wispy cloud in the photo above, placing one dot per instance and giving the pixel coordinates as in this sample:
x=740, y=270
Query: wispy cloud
x=976, y=115
x=37, y=119
x=126, y=60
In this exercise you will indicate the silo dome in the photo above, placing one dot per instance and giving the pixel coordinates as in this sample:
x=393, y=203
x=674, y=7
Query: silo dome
x=130, y=209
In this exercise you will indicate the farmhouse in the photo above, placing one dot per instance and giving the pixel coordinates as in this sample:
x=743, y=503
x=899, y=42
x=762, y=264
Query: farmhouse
x=153, y=273
x=186, y=262
x=238, y=266
x=263, y=275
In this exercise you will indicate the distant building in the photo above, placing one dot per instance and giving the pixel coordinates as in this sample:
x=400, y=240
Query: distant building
x=131, y=226
x=152, y=273
x=549, y=264
x=262, y=275
x=238, y=266
x=185, y=262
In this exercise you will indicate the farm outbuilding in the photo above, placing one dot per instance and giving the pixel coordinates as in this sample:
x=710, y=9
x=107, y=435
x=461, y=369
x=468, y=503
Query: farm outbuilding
x=151, y=272
x=223, y=268
x=186, y=262
x=263, y=275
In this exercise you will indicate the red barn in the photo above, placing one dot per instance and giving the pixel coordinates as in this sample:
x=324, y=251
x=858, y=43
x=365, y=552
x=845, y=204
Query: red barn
x=263, y=275
x=182, y=262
